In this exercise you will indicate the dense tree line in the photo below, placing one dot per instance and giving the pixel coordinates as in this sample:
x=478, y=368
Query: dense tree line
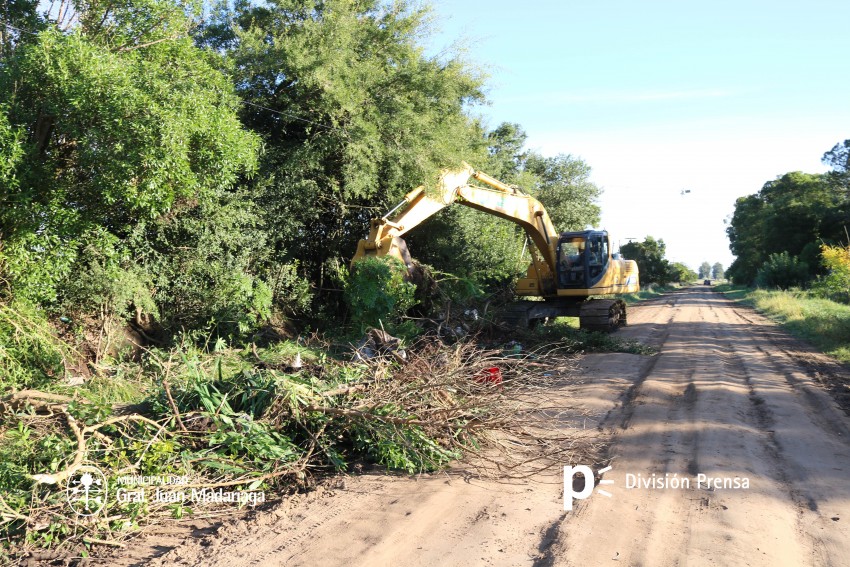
x=778, y=234
x=653, y=265
x=210, y=175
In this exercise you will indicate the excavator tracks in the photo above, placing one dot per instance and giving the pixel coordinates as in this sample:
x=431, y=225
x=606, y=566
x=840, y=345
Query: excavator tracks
x=594, y=314
x=602, y=315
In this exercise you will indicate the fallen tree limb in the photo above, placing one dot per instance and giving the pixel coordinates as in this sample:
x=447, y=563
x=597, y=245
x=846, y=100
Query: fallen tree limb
x=344, y=390
x=46, y=402
x=97, y=541
x=80, y=453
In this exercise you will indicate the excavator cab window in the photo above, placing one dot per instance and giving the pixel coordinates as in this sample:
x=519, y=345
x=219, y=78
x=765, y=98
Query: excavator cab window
x=582, y=259
x=597, y=246
x=572, y=260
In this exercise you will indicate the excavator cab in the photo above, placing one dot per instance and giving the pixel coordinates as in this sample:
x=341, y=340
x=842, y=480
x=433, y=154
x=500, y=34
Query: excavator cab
x=583, y=258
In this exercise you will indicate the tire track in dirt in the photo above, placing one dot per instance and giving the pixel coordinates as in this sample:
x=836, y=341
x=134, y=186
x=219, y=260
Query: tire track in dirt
x=763, y=417
x=769, y=398
x=731, y=418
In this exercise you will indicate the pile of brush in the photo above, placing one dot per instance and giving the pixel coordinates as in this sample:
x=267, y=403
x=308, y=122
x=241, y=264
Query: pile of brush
x=233, y=420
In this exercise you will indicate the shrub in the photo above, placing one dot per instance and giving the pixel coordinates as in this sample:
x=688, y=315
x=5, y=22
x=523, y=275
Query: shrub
x=836, y=284
x=105, y=280
x=290, y=291
x=783, y=271
x=378, y=293
x=30, y=354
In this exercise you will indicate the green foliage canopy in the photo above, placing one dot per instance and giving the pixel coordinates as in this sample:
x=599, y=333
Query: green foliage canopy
x=649, y=255
x=108, y=132
x=717, y=271
x=792, y=214
x=835, y=284
x=377, y=292
x=352, y=113
x=679, y=272
x=783, y=271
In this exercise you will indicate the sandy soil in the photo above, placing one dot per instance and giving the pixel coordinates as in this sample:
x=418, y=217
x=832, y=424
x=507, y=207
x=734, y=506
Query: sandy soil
x=727, y=396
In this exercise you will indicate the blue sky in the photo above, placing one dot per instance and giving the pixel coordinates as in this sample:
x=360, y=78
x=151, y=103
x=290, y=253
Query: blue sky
x=658, y=97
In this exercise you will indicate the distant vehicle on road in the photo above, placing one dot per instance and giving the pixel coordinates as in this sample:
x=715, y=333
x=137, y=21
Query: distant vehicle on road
x=706, y=282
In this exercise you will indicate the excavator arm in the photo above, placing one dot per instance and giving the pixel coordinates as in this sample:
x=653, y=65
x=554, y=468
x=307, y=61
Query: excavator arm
x=385, y=234
x=587, y=267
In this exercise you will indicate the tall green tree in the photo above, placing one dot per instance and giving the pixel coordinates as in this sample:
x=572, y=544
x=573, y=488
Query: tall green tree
x=562, y=183
x=792, y=214
x=679, y=272
x=705, y=270
x=649, y=255
x=839, y=159
x=507, y=153
x=20, y=22
x=351, y=111
x=120, y=125
x=717, y=271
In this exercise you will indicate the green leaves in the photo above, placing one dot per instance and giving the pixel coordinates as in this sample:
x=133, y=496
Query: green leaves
x=377, y=292
x=352, y=113
x=651, y=260
x=791, y=214
x=836, y=283
x=562, y=184
x=783, y=271
x=111, y=144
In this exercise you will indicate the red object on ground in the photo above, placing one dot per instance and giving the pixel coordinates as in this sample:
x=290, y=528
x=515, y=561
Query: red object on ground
x=492, y=375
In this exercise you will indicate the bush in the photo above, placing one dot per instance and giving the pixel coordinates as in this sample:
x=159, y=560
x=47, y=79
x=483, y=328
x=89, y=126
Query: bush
x=377, y=292
x=291, y=292
x=836, y=284
x=105, y=280
x=203, y=261
x=30, y=354
x=783, y=271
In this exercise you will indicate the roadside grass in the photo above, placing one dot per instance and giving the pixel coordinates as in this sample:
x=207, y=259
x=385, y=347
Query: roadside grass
x=647, y=292
x=822, y=322
x=736, y=292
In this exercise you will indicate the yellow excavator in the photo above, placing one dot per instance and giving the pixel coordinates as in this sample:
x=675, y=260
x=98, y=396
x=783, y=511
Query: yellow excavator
x=566, y=268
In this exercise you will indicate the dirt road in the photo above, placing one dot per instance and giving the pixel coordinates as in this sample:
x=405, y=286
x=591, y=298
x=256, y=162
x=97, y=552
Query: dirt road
x=728, y=397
